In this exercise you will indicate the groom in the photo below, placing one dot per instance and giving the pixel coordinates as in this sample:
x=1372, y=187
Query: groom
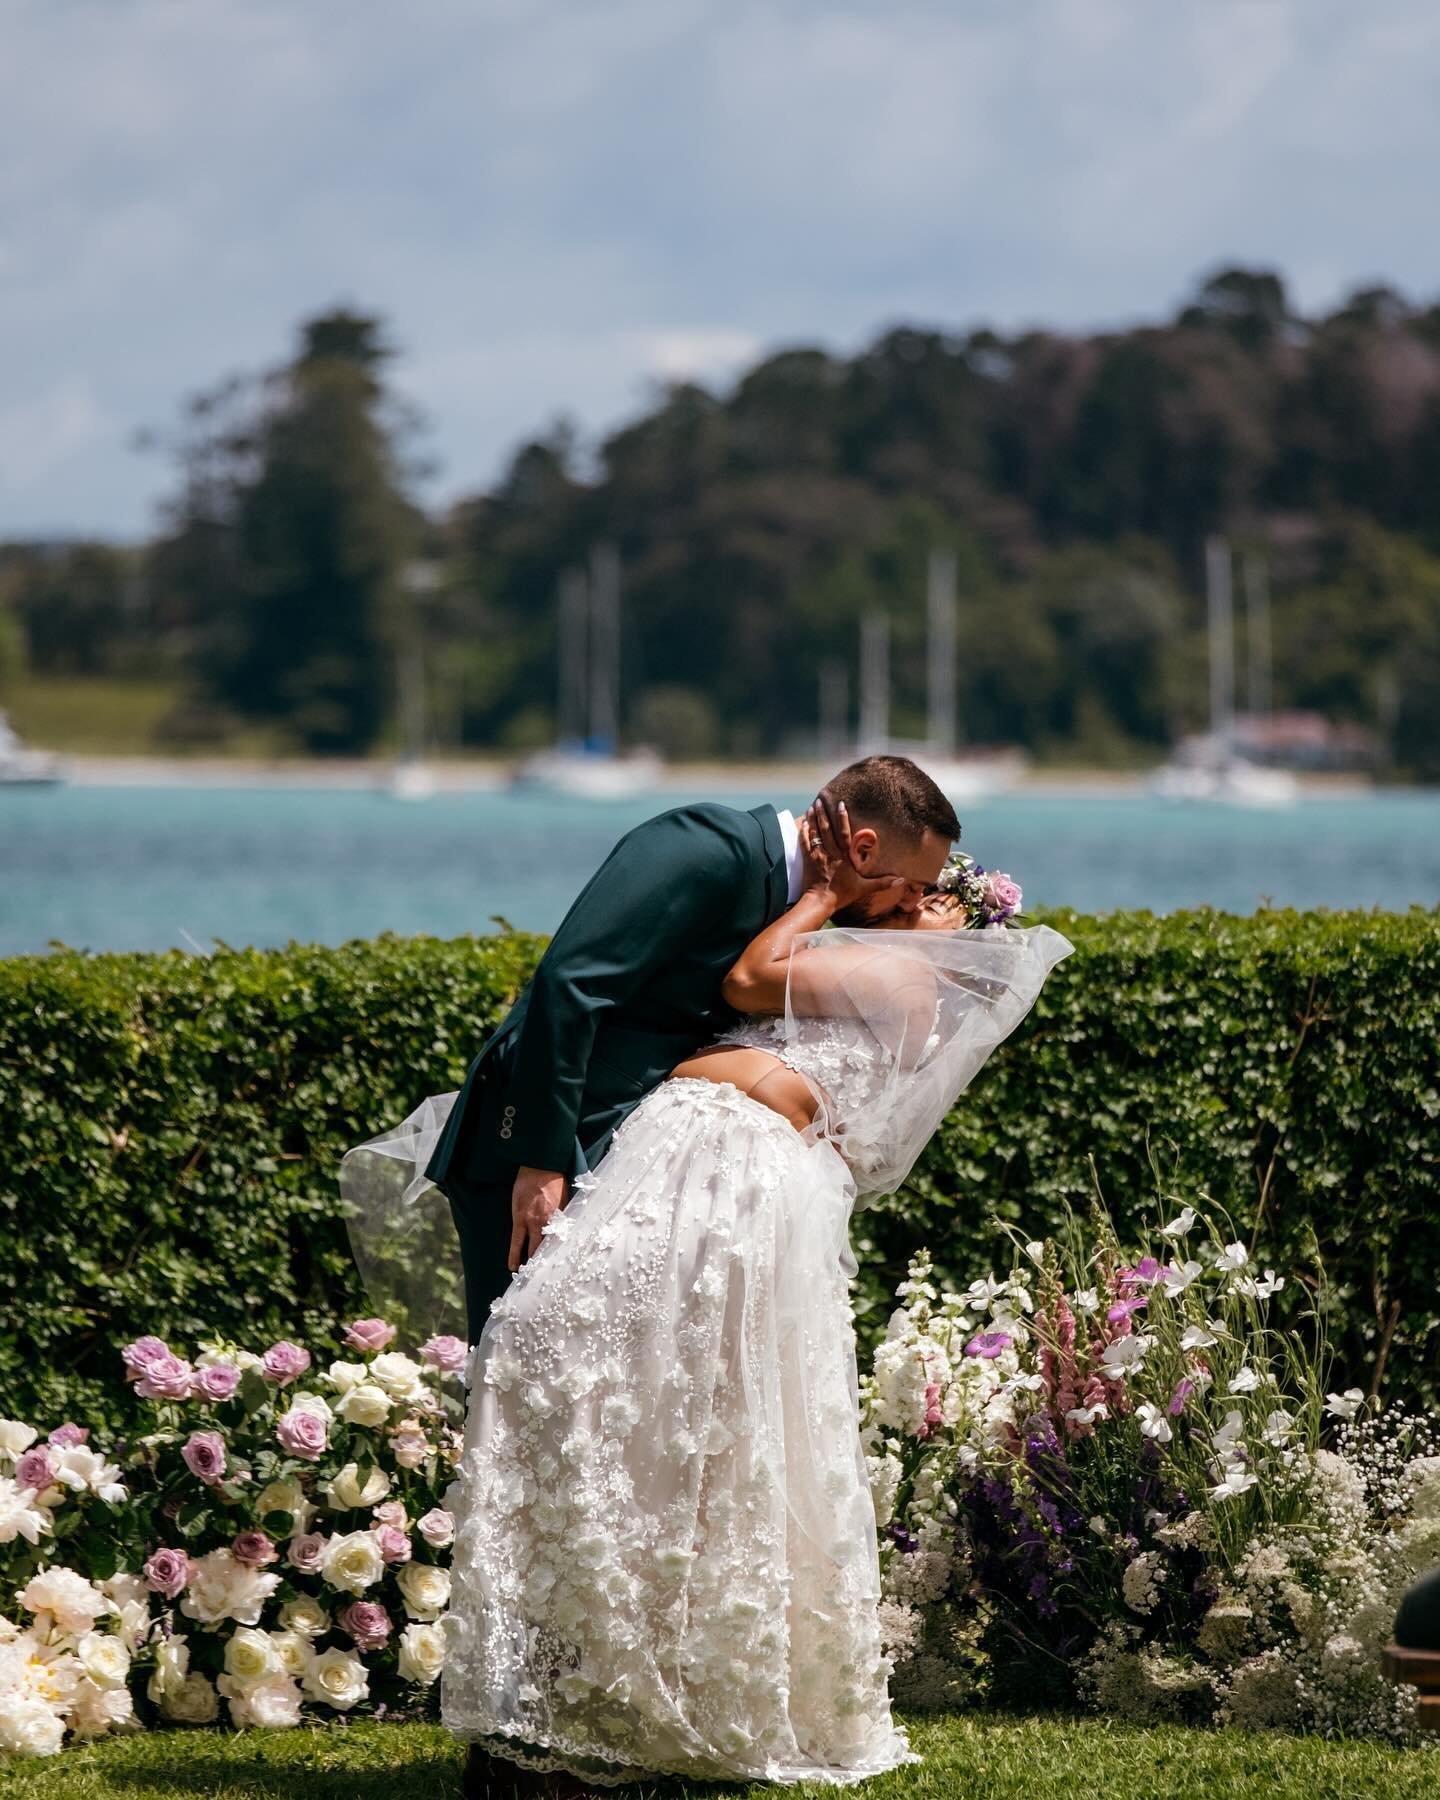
x=630, y=986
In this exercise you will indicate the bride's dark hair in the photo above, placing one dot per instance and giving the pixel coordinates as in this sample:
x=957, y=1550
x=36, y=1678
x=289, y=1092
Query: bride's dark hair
x=895, y=792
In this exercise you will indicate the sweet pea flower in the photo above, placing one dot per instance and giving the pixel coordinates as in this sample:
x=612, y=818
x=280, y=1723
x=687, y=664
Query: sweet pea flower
x=167, y=1572
x=65, y=1436
x=217, y=1381
x=989, y=1344
x=306, y=1552
x=445, y=1353
x=368, y=1624
x=303, y=1433
x=369, y=1335
x=284, y=1362
x=255, y=1549
x=204, y=1456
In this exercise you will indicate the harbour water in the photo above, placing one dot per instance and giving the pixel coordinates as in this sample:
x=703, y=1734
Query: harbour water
x=144, y=868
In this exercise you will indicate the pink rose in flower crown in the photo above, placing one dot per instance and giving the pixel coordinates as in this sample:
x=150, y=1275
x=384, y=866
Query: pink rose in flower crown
x=284, y=1362
x=137, y=1357
x=255, y=1549
x=34, y=1469
x=203, y=1454
x=445, y=1353
x=216, y=1381
x=394, y=1545
x=303, y=1434
x=367, y=1622
x=437, y=1528
x=65, y=1436
x=166, y=1377
x=369, y=1335
x=167, y=1572
x=306, y=1552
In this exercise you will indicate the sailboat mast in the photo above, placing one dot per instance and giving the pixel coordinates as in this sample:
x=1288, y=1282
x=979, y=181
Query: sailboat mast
x=571, y=699
x=874, y=681
x=1221, y=608
x=941, y=612
x=834, y=706
x=605, y=647
x=1257, y=634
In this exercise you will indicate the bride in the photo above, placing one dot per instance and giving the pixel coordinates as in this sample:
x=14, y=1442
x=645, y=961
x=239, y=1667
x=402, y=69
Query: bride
x=665, y=1559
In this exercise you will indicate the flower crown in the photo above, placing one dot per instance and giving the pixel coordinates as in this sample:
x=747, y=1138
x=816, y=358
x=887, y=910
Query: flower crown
x=984, y=897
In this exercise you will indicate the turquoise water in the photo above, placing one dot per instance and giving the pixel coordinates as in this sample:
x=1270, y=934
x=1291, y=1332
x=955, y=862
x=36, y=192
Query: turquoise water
x=144, y=868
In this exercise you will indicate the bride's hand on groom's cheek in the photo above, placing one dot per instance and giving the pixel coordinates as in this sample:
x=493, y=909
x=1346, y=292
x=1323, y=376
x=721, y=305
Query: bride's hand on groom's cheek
x=537, y=1196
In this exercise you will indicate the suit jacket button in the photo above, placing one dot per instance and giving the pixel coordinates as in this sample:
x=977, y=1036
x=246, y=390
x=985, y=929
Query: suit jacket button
x=509, y=1112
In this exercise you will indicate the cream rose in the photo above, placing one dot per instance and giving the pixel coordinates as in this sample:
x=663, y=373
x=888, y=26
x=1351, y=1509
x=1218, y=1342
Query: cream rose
x=365, y=1405
x=338, y=1679
x=285, y=1497
x=104, y=1659
x=306, y=1617
x=313, y=1403
x=273, y=1702
x=424, y=1589
x=347, y=1493
x=346, y=1375
x=193, y=1701
x=15, y=1438
x=293, y=1651
x=353, y=1562
x=400, y=1378
x=422, y=1653
x=250, y=1656
x=223, y=1588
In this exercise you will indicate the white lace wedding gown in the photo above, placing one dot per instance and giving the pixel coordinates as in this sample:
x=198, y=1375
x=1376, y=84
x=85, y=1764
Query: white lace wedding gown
x=665, y=1558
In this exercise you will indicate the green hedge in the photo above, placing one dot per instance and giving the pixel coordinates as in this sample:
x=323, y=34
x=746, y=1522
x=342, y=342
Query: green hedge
x=171, y=1124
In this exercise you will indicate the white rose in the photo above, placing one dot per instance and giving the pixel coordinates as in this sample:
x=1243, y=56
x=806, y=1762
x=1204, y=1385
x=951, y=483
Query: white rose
x=79, y=1468
x=222, y=1588
x=422, y=1653
x=273, y=1702
x=400, y=1378
x=286, y=1497
x=28, y=1726
x=313, y=1403
x=15, y=1438
x=22, y=1514
x=192, y=1701
x=424, y=1589
x=437, y=1527
x=353, y=1562
x=244, y=1359
x=131, y=1600
x=306, y=1617
x=293, y=1651
x=365, y=1405
x=104, y=1659
x=347, y=1492
x=67, y=1597
x=338, y=1679
x=250, y=1656
x=346, y=1375
x=97, y=1709
x=172, y=1665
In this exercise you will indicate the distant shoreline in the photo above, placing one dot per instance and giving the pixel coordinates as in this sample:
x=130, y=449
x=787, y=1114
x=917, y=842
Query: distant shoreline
x=488, y=777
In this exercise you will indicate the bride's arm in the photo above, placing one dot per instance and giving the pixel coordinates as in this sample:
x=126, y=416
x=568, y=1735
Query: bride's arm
x=756, y=982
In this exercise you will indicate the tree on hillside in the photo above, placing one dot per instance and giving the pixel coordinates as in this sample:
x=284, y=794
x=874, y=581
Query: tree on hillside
x=288, y=538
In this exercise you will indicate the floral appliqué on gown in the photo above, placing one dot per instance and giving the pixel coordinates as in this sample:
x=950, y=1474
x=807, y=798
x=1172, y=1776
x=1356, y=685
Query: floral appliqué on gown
x=665, y=1559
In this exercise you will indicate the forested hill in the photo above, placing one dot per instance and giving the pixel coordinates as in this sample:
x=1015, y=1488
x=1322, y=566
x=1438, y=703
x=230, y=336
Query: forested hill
x=1076, y=477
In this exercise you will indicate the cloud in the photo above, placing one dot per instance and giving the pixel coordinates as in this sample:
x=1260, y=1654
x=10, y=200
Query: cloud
x=39, y=436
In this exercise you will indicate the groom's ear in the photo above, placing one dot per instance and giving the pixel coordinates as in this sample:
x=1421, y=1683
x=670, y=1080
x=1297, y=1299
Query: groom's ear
x=864, y=842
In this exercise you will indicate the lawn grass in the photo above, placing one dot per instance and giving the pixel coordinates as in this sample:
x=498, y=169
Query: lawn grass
x=89, y=716
x=967, y=1757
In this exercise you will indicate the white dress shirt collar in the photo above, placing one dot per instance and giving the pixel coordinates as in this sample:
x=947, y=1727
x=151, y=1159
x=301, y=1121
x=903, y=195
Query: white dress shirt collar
x=794, y=856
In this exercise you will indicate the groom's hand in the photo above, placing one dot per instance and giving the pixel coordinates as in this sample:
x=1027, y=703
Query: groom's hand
x=538, y=1195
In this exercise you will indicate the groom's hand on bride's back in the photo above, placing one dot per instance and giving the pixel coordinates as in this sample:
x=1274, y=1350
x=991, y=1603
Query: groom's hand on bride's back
x=537, y=1196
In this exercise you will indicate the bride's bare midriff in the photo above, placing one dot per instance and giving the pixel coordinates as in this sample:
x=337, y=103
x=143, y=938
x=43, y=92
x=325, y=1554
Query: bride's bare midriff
x=756, y=1073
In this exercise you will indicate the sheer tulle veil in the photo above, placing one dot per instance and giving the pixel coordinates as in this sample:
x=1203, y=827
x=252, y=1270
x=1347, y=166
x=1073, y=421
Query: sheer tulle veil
x=937, y=1002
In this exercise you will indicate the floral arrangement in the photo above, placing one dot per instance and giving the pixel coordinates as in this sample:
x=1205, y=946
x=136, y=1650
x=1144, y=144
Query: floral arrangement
x=1107, y=1476
x=275, y=1543
x=984, y=896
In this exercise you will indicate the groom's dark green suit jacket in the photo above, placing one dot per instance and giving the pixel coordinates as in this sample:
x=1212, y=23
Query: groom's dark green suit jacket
x=629, y=986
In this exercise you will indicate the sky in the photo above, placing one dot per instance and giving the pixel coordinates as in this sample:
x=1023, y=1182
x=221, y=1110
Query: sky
x=558, y=204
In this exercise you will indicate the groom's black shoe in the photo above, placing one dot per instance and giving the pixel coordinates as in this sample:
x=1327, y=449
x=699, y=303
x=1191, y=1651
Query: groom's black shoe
x=490, y=1777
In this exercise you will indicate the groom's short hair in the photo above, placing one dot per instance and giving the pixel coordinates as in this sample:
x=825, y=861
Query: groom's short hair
x=894, y=792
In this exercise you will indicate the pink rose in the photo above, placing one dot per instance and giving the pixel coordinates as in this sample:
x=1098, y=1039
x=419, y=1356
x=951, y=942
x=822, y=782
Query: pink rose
x=306, y=1552
x=284, y=1362
x=64, y=1436
x=165, y=1377
x=369, y=1335
x=409, y=1448
x=367, y=1622
x=303, y=1434
x=254, y=1549
x=394, y=1544
x=445, y=1353
x=34, y=1469
x=1004, y=894
x=437, y=1528
x=204, y=1455
x=391, y=1512
x=217, y=1381
x=137, y=1357
x=168, y=1573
